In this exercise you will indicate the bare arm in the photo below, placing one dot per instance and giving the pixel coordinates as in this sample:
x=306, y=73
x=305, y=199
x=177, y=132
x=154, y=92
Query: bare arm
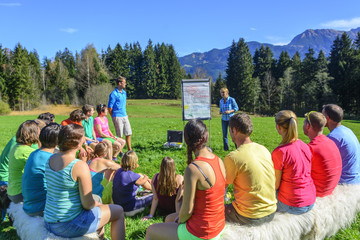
x=278, y=174
x=154, y=203
x=190, y=181
x=179, y=193
x=144, y=181
x=81, y=174
x=110, y=111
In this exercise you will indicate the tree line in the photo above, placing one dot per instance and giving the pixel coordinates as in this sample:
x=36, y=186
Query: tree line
x=69, y=78
x=264, y=85
x=260, y=84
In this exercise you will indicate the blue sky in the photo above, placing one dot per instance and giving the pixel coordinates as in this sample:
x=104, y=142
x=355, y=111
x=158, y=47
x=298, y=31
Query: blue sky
x=191, y=26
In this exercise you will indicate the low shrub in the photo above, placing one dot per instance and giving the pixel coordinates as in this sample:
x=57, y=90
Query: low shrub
x=4, y=108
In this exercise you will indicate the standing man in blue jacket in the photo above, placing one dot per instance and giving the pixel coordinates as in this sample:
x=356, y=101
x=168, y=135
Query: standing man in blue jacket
x=117, y=110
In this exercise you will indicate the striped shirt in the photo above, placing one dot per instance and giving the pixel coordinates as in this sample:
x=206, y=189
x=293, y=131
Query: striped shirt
x=229, y=105
x=62, y=199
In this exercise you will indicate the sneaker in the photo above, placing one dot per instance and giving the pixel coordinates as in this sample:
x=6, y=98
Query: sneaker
x=114, y=159
x=121, y=154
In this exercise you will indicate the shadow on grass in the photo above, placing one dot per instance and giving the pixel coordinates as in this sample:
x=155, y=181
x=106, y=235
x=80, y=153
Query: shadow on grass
x=7, y=231
x=154, y=146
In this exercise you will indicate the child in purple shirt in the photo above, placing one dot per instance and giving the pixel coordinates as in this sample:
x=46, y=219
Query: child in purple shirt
x=126, y=184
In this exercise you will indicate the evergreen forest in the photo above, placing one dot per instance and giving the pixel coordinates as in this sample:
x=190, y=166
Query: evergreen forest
x=260, y=84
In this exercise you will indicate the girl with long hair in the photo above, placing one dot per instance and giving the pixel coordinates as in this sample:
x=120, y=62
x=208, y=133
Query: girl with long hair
x=167, y=189
x=202, y=213
x=292, y=163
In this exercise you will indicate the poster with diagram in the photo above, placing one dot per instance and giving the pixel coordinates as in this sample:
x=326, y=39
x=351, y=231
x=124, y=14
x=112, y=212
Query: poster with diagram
x=196, y=99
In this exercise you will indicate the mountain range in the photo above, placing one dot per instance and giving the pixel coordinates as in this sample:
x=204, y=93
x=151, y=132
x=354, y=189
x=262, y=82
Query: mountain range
x=215, y=60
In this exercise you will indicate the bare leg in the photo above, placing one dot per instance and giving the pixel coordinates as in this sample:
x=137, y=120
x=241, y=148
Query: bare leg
x=114, y=214
x=128, y=142
x=162, y=231
x=171, y=217
x=110, y=149
x=116, y=149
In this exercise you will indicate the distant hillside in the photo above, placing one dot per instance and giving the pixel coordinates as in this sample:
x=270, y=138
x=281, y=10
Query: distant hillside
x=215, y=60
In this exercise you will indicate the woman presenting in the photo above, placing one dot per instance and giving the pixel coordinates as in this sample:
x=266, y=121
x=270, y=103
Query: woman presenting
x=228, y=107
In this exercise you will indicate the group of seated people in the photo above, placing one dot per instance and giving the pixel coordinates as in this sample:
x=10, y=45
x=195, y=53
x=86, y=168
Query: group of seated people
x=79, y=189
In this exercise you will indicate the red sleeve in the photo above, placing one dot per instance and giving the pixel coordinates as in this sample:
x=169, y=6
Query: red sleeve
x=278, y=160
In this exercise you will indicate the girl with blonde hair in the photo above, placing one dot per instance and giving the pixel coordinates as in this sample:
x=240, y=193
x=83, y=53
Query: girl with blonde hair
x=292, y=163
x=126, y=184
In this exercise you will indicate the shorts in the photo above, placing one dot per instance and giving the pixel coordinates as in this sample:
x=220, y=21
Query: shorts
x=122, y=126
x=231, y=215
x=88, y=142
x=111, y=140
x=86, y=222
x=16, y=198
x=282, y=207
x=137, y=203
x=183, y=233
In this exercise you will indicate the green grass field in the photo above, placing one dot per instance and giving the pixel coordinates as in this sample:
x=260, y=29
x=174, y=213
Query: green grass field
x=150, y=120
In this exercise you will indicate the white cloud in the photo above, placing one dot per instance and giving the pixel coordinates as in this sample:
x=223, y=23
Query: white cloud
x=343, y=24
x=281, y=43
x=69, y=30
x=10, y=4
x=253, y=29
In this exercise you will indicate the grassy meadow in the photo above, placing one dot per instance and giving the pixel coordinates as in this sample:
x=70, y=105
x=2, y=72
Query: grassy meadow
x=150, y=120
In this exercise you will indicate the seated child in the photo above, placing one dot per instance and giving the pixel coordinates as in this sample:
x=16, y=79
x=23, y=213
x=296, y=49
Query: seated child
x=76, y=117
x=70, y=210
x=167, y=189
x=88, y=124
x=33, y=185
x=126, y=184
x=26, y=135
x=98, y=165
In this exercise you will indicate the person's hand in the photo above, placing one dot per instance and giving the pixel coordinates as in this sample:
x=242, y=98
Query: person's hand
x=220, y=113
x=83, y=155
x=145, y=218
x=228, y=111
x=89, y=150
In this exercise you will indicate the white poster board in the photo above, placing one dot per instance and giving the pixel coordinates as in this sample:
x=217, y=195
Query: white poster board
x=196, y=99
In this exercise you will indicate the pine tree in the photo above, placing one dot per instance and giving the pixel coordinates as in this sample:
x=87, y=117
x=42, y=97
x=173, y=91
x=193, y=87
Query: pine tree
x=3, y=77
x=286, y=90
x=215, y=95
x=162, y=87
x=340, y=68
x=239, y=75
x=19, y=79
x=282, y=64
x=149, y=72
x=308, y=83
x=174, y=74
x=68, y=60
x=297, y=77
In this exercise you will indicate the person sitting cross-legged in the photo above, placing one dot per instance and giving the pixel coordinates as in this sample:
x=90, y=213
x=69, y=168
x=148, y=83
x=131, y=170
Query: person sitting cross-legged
x=251, y=171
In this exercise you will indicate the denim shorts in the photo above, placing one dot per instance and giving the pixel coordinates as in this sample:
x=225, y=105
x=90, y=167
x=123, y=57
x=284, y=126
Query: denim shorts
x=282, y=207
x=88, y=142
x=86, y=222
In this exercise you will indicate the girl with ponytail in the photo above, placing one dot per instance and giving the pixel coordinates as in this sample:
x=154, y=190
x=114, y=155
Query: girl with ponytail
x=292, y=163
x=202, y=213
x=98, y=165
